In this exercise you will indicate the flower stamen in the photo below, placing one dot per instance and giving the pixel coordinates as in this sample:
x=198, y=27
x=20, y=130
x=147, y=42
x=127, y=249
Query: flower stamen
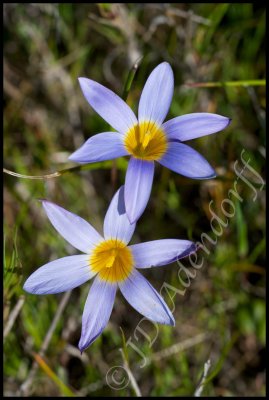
x=146, y=141
x=112, y=260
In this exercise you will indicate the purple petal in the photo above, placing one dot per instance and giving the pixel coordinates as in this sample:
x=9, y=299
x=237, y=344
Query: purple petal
x=138, y=183
x=104, y=146
x=97, y=311
x=186, y=161
x=116, y=223
x=107, y=104
x=160, y=252
x=191, y=126
x=157, y=94
x=145, y=299
x=60, y=275
x=73, y=229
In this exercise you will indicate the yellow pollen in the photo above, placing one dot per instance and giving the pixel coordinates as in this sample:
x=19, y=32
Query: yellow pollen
x=146, y=140
x=112, y=260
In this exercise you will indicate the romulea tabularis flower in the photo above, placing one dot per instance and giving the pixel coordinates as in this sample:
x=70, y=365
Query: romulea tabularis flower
x=147, y=139
x=112, y=261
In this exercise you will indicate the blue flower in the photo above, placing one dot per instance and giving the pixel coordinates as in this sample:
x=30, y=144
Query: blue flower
x=147, y=139
x=111, y=261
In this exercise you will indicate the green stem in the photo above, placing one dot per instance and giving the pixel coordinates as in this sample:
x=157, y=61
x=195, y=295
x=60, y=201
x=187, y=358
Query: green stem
x=244, y=83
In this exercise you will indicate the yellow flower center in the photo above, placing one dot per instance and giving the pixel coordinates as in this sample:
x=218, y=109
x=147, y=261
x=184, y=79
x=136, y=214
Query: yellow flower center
x=112, y=260
x=146, y=140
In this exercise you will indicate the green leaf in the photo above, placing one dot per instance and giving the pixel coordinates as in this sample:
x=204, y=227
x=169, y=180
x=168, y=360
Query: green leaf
x=130, y=78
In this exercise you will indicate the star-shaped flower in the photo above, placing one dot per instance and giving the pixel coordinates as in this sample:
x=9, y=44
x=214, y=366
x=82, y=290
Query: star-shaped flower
x=147, y=139
x=112, y=261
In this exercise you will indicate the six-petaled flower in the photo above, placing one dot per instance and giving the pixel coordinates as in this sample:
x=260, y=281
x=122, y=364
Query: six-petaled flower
x=147, y=139
x=112, y=261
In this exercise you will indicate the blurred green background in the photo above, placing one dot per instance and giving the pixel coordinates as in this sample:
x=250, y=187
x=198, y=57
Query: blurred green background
x=221, y=317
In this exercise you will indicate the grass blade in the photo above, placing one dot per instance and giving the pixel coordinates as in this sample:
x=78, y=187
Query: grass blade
x=48, y=371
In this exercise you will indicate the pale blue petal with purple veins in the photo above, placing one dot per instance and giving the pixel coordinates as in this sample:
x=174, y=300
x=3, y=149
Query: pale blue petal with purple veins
x=195, y=125
x=138, y=184
x=60, y=275
x=71, y=227
x=145, y=299
x=116, y=223
x=157, y=94
x=186, y=161
x=109, y=105
x=97, y=311
x=101, y=147
x=160, y=252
